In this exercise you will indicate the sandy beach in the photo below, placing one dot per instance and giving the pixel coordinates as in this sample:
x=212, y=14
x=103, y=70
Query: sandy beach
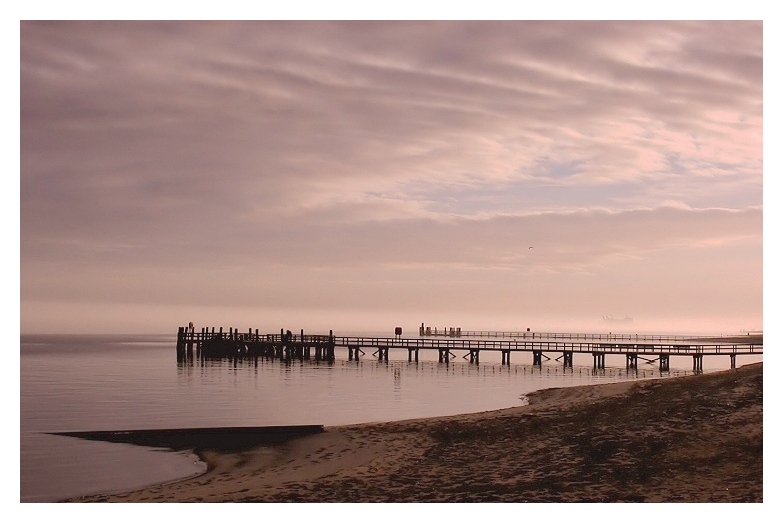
x=697, y=438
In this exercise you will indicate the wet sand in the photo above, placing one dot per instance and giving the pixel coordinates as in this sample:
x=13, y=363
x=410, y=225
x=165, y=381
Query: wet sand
x=690, y=439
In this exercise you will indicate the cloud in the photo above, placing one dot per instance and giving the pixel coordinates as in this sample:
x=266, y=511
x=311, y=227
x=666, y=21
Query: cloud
x=219, y=148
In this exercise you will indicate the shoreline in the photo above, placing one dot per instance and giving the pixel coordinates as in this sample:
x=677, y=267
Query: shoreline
x=696, y=438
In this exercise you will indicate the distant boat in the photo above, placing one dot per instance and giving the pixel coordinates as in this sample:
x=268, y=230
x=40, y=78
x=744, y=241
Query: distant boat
x=612, y=319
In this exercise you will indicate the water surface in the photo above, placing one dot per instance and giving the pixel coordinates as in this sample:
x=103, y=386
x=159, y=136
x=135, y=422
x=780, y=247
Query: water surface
x=134, y=382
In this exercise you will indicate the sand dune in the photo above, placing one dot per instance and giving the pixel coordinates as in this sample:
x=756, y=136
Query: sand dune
x=689, y=439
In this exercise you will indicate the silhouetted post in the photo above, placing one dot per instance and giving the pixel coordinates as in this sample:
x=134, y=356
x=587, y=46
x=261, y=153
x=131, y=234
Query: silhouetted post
x=203, y=338
x=330, y=347
x=181, y=344
x=537, y=359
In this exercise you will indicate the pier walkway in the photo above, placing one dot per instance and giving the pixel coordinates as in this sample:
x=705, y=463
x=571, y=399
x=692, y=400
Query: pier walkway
x=457, y=332
x=289, y=346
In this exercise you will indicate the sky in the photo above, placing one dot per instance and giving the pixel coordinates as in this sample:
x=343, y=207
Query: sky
x=359, y=176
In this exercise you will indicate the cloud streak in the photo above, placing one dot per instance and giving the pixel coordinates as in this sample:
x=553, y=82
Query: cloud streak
x=382, y=148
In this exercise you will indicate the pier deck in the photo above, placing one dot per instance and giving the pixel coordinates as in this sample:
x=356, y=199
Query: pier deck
x=286, y=345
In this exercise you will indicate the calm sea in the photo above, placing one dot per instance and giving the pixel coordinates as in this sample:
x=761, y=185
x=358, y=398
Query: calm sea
x=134, y=382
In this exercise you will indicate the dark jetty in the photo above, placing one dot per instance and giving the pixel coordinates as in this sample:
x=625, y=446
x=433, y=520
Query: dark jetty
x=217, y=438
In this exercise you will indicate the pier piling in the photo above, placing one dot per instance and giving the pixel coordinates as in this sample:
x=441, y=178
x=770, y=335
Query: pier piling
x=505, y=357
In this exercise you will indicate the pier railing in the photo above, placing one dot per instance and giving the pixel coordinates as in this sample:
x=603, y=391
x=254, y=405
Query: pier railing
x=434, y=332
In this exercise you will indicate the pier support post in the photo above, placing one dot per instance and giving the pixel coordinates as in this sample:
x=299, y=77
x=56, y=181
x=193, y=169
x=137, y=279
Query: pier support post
x=181, y=344
x=599, y=360
x=733, y=360
x=568, y=359
x=631, y=361
x=505, y=357
x=697, y=362
x=201, y=340
x=329, y=349
x=537, y=357
x=189, y=335
x=663, y=362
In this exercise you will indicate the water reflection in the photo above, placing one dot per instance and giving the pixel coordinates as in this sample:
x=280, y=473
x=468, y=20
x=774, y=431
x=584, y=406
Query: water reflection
x=358, y=388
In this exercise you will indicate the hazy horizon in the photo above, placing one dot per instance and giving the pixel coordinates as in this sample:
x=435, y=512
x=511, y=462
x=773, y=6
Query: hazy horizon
x=366, y=175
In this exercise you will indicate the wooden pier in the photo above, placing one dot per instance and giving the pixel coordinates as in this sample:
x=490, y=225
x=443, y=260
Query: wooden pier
x=217, y=344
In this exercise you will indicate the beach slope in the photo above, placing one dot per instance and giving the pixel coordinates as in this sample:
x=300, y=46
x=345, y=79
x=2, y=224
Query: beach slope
x=696, y=438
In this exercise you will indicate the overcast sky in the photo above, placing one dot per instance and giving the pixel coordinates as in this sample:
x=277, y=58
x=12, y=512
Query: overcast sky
x=362, y=176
